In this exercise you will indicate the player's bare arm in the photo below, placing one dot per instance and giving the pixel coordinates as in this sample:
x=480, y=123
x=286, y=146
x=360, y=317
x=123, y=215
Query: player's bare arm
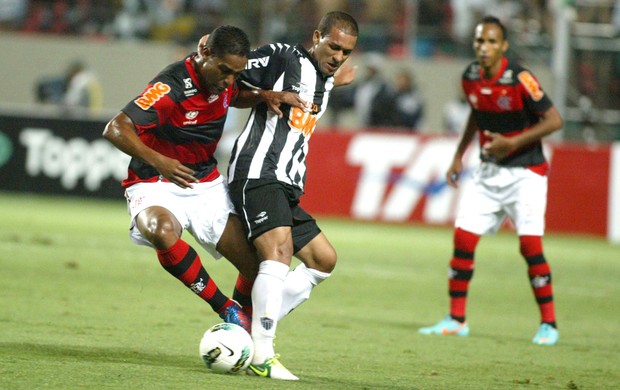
x=456, y=167
x=499, y=146
x=120, y=131
x=274, y=99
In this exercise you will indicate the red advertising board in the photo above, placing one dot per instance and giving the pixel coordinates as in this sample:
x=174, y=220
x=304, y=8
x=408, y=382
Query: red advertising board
x=394, y=177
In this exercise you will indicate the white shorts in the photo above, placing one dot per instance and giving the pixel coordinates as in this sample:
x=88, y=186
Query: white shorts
x=499, y=192
x=202, y=210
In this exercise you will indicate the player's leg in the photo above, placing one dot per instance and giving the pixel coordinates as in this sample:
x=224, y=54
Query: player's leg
x=529, y=217
x=265, y=212
x=539, y=274
x=234, y=246
x=276, y=247
x=461, y=272
x=459, y=276
x=159, y=214
x=318, y=259
x=479, y=213
x=163, y=230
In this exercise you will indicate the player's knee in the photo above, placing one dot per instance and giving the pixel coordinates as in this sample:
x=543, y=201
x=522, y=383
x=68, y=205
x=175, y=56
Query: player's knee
x=162, y=234
x=327, y=262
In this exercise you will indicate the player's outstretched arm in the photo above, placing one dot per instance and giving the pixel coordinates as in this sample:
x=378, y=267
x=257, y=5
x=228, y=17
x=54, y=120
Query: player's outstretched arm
x=274, y=99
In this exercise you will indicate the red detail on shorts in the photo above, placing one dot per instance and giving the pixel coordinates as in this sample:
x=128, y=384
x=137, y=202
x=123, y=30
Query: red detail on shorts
x=541, y=169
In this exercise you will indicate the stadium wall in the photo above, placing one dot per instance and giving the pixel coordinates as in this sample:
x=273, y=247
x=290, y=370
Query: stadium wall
x=373, y=176
x=125, y=67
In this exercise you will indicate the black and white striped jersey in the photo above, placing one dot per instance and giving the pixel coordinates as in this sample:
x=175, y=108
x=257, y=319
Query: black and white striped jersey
x=276, y=148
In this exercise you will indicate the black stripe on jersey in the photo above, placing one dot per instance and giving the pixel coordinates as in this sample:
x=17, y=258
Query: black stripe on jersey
x=501, y=122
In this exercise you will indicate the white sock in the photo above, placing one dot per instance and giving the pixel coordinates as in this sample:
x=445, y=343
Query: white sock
x=266, y=302
x=297, y=287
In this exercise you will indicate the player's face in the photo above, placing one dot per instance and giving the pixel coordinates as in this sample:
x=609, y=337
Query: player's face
x=489, y=46
x=218, y=73
x=332, y=50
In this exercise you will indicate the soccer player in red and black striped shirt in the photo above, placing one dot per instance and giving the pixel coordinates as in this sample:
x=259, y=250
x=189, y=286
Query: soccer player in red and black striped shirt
x=171, y=131
x=511, y=114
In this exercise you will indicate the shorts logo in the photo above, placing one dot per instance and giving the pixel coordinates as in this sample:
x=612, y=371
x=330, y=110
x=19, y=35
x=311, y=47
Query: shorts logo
x=261, y=217
x=266, y=322
x=198, y=286
x=152, y=95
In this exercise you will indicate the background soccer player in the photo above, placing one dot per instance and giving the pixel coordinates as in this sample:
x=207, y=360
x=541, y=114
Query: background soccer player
x=511, y=114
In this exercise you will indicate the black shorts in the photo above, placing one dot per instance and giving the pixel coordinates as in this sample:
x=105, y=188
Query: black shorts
x=267, y=204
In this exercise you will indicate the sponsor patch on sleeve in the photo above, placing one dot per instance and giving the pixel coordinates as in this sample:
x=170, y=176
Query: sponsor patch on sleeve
x=531, y=85
x=152, y=95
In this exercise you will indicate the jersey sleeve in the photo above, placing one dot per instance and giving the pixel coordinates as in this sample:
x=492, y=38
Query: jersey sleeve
x=155, y=104
x=533, y=95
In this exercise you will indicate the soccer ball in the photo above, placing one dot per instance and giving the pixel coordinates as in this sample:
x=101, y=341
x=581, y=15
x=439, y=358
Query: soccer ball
x=226, y=348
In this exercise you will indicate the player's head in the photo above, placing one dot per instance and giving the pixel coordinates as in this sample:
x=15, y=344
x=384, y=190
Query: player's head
x=222, y=56
x=490, y=43
x=333, y=41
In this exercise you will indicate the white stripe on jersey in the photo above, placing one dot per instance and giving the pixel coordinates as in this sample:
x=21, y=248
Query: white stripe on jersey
x=294, y=138
x=266, y=138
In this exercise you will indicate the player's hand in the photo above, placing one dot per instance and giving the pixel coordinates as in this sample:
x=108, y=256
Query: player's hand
x=275, y=99
x=175, y=172
x=454, y=173
x=344, y=75
x=497, y=146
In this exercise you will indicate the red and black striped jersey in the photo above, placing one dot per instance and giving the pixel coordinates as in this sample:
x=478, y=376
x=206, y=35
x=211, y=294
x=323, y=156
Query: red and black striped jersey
x=276, y=148
x=509, y=103
x=177, y=118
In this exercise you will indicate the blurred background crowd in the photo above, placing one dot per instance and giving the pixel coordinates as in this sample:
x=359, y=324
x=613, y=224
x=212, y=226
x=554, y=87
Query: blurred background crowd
x=391, y=31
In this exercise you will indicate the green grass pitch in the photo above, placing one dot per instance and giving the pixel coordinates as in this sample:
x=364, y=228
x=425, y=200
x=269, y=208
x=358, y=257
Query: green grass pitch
x=81, y=307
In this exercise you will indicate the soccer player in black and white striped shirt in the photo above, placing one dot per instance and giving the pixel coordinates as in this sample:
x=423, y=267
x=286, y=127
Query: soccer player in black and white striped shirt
x=267, y=174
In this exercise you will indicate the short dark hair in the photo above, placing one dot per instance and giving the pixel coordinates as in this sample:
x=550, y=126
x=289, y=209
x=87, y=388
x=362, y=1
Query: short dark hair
x=228, y=40
x=490, y=19
x=341, y=20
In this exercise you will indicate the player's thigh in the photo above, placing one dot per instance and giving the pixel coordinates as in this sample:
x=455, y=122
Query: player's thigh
x=529, y=206
x=234, y=246
x=480, y=210
x=275, y=244
x=318, y=254
x=155, y=210
x=262, y=206
x=208, y=212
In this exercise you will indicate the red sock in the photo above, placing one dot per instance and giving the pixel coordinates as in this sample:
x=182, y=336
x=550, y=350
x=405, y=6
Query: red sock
x=243, y=293
x=182, y=262
x=461, y=271
x=539, y=273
